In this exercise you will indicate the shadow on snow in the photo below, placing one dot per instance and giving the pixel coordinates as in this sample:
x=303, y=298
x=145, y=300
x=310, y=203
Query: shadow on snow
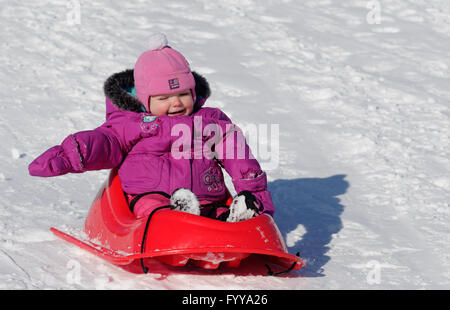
x=308, y=214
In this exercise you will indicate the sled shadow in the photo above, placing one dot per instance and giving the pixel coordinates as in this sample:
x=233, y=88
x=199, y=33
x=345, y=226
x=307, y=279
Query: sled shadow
x=308, y=214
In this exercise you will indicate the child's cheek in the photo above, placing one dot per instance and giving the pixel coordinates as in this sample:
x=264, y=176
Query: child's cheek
x=157, y=108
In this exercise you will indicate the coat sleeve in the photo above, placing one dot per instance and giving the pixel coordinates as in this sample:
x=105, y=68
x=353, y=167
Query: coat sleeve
x=235, y=156
x=86, y=150
x=106, y=146
x=93, y=150
x=102, y=148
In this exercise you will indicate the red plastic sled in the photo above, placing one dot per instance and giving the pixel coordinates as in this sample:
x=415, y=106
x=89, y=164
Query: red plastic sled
x=174, y=237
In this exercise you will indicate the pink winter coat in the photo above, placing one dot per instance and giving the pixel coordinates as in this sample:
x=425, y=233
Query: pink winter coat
x=160, y=153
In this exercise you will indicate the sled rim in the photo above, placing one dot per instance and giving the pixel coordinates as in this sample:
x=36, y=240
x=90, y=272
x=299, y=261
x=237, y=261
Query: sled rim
x=123, y=259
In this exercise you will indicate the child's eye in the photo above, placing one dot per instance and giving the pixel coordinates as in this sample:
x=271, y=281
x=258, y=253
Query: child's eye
x=163, y=98
x=185, y=94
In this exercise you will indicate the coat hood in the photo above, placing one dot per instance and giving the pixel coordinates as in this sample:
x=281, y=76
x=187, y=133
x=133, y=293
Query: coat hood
x=119, y=89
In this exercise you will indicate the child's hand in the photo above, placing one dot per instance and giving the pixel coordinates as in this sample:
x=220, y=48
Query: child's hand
x=244, y=207
x=58, y=160
x=51, y=163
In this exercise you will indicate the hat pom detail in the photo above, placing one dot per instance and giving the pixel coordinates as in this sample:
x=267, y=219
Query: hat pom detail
x=157, y=41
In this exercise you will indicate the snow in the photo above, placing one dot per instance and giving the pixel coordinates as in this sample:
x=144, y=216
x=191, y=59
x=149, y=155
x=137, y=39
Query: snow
x=359, y=90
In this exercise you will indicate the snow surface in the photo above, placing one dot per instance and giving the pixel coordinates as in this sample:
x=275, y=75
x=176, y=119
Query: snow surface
x=362, y=103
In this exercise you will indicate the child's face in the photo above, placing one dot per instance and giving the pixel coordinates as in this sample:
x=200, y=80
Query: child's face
x=176, y=104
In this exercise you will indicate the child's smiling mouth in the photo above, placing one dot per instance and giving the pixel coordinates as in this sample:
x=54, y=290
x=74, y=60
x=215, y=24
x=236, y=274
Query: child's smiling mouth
x=177, y=113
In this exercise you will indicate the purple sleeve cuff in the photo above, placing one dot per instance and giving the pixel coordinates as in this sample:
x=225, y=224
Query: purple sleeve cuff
x=252, y=184
x=72, y=151
x=258, y=187
x=265, y=200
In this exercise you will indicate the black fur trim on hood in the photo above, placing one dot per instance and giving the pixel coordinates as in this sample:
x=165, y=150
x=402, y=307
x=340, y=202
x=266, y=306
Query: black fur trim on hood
x=115, y=89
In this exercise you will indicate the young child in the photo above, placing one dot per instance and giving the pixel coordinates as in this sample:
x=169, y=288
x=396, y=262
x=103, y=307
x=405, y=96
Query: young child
x=145, y=110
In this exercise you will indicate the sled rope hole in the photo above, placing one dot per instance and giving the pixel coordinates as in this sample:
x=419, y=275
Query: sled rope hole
x=271, y=273
x=144, y=268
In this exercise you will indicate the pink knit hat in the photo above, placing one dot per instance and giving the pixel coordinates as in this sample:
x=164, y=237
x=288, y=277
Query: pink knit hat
x=161, y=70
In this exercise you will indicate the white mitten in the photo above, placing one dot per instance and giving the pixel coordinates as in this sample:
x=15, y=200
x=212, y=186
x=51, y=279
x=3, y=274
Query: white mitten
x=184, y=200
x=243, y=207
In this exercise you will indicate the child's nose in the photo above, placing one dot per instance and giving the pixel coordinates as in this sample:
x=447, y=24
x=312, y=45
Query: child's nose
x=177, y=101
